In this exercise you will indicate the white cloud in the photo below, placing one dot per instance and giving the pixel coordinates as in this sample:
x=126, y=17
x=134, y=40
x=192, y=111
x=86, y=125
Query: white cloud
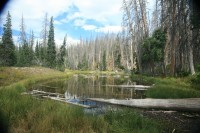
x=59, y=37
x=73, y=16
x=109, y=28
x=57, y=22
x=89, y=27
x=100, y=10
x=79, y=22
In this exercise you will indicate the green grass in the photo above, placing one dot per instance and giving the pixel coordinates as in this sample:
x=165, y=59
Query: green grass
x=129, y=121
x=170, y=91
x=168, y=87
x=24, y=113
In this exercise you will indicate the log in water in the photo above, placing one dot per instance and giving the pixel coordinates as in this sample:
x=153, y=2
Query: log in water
x=189, y=104
x=128, y=86
x=46, y=93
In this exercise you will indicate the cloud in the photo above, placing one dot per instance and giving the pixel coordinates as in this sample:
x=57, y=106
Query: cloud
x=56, y=22
x=109, y=28
x=79, y=22
x=89, y=27
x=99, y=10
x=59, y=37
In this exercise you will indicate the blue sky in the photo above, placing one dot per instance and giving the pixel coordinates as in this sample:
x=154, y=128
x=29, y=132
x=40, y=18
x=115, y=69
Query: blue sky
x=74, y=18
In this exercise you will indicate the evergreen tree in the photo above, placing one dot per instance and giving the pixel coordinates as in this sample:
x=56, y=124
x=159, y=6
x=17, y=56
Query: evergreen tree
x=153, y=50
x=37, y=52
x=31, y=43
x=25, y=55
x=104, y=61
x=117, y=55
x=51, y=49
x=8, y=57
x=61, y=57
x=63, y=52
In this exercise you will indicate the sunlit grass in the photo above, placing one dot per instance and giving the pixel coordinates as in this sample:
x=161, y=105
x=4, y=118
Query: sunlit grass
x=167, y=87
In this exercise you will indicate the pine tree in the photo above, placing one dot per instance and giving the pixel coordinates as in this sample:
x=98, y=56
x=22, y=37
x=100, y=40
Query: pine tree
x=104, y=62
x=37, y=52
x=30, y=48
x=51, y=49
x=8, y=57
x=25, y=50
x=61, y=57
x=44, y=39
x=63, y=52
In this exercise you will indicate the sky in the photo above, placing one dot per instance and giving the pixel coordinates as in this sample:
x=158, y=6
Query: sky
x=74, y=18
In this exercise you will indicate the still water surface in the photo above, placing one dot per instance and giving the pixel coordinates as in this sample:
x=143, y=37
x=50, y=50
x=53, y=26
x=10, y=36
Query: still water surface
x=90, y=86
x=78, y=88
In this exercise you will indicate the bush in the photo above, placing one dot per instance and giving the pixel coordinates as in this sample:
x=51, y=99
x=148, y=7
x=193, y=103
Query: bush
x=183, y=73
x=144, y=80
x=196, y=79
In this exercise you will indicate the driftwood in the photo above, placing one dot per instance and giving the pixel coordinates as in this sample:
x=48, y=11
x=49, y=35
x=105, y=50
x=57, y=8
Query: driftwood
x=128, y=86
x=135, y=87
x=46, y=93
x=189, y=104
x=51, y=96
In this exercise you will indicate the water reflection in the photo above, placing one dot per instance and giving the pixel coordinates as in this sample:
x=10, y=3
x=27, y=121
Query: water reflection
x=90, y=86
x=80, y=87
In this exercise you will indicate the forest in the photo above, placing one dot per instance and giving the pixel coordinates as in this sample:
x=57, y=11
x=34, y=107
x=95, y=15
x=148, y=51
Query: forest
x=165, y=43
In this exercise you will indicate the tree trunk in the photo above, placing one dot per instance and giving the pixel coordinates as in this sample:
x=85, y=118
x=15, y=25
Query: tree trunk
x=191, y=59
x=173, y=39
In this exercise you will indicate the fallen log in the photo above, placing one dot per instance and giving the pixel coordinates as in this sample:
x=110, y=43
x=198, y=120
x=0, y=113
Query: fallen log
x=128, y=86
x=189, y=104
x=47, y=93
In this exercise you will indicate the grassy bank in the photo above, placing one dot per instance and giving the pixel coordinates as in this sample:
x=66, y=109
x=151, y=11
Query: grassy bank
x=168, y=87
x=26, y=114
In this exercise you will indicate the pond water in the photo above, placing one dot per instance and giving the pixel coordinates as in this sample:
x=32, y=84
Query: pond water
x=78, y=88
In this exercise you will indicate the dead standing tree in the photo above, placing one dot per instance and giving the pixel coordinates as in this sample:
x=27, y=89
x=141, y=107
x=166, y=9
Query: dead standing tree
x=175, y=20
x=136, y=26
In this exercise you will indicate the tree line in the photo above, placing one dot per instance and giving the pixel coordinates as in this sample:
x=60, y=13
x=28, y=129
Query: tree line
x=164, y=43
x=44, y=53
